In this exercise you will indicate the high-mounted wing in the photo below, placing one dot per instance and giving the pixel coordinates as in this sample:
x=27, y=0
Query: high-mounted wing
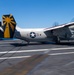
x=61, y=32
x=60, y=26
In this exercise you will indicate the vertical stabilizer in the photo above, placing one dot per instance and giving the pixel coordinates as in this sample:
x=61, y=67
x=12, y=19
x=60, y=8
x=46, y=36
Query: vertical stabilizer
x=9, y=25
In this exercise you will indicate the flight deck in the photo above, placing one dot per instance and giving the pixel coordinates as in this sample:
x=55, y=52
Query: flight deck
x=18, y=58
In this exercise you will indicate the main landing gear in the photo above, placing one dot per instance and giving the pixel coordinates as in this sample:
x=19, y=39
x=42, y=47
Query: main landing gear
x=57, y=40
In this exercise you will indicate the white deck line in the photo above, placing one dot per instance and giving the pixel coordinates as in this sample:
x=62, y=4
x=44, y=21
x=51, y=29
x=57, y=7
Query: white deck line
x=61, y=53
x=36, y=50
x=17, y=57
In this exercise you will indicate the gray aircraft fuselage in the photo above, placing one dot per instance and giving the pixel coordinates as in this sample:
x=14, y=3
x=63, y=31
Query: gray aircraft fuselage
x=40, y=35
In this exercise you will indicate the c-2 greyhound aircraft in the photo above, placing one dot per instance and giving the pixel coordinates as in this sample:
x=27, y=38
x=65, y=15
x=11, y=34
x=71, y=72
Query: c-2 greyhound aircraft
x=52, y=34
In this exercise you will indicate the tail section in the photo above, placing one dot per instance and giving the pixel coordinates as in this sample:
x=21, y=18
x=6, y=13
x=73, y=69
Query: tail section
x=8, y=25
